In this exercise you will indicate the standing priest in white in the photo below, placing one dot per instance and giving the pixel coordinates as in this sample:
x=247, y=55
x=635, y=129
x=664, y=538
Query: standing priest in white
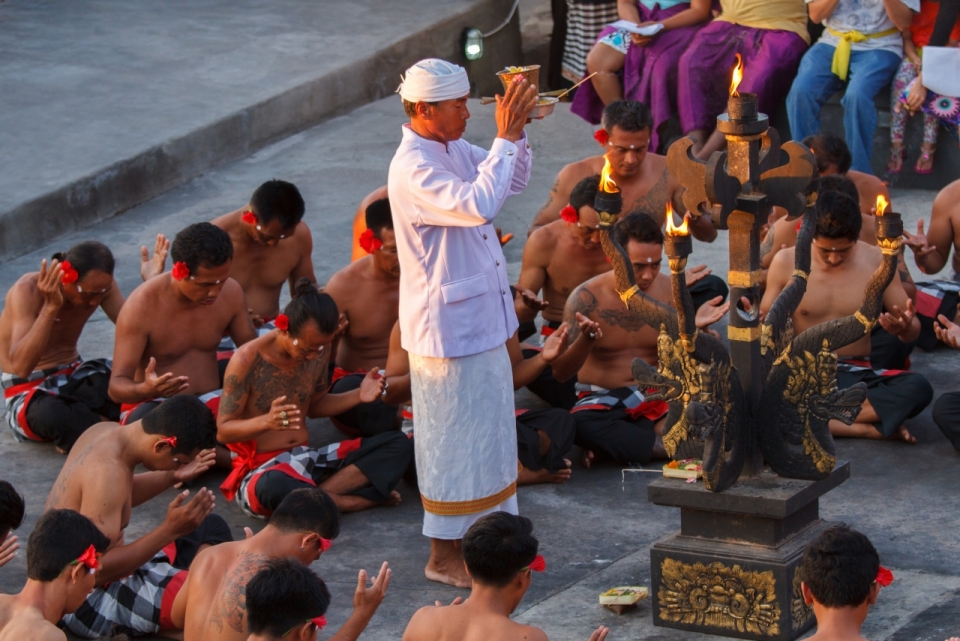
x=456, y=309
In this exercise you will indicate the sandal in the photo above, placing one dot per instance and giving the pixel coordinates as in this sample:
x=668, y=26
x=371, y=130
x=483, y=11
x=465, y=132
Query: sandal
x=926, y=156
x=897, y=155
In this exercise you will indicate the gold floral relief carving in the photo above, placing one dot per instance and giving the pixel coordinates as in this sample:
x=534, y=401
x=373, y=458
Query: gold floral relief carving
x=719, y=596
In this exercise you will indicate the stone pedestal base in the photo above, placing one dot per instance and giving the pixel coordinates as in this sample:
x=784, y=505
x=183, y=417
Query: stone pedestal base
x=732, y=569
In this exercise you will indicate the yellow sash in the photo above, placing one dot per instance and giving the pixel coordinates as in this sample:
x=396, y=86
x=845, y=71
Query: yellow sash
x=841, y=57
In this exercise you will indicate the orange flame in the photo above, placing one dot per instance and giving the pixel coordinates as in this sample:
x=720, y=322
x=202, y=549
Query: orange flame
x=674, y=230
x=737, y=76
x=606, y=183
x=882, y=205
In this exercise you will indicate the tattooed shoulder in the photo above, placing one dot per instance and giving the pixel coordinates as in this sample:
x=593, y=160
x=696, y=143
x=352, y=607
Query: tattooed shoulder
x=231, y=606
x=581, y=301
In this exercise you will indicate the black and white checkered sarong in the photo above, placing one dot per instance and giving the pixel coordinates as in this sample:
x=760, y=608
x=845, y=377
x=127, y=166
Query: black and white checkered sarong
x=135, y=605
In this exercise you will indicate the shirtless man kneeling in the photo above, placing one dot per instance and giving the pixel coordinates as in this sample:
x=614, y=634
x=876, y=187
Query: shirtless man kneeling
x=51, y=393
x=367, y=293
x=272, y=385
x=210, y=605
x=840, y=269
x=62, y=561
x=173, y=324
x=271, y=246
x=643, y=178
x=613, y=420
x=501, y=554
x=138, y=580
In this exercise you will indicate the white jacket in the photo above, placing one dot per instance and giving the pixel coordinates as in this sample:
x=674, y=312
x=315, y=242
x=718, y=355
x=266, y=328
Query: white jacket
x=454, y=294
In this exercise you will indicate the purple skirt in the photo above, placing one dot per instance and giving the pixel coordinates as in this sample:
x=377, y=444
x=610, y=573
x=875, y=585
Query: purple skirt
x=649, y=73
x=770, y=61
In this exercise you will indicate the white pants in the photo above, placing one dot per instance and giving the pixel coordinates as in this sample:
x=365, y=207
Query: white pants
x=466, y=439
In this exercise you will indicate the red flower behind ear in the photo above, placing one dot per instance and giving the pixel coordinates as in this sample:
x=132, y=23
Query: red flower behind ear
x=539, y=564
x=569, y=215
x=325, y=544
x=369, y=242
x=282, y=322
x=884, y=577
x=169, y=440
x=180, y=271
x=68, y=274
x=249, y=217
x=601, y=136
x=320, y=622
x=89, y=558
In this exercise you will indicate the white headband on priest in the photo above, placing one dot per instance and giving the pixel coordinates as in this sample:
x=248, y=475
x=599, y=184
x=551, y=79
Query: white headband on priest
x=432, y=80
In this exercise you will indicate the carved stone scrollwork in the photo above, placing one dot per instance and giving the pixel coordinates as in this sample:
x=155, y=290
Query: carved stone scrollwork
x=800, y=612
x=718, y=596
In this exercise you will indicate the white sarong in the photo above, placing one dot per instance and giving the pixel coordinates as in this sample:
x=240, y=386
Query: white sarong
x=466, y=439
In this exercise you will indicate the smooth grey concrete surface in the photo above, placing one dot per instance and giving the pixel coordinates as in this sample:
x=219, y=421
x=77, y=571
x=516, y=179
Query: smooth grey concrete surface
x=107, y=104
x=595, y=530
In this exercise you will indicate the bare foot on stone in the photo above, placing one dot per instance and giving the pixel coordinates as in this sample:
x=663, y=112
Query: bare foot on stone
x=530, y=477
x=393, y=500
x=903, y=435
x=586, y=458
x=449, y=572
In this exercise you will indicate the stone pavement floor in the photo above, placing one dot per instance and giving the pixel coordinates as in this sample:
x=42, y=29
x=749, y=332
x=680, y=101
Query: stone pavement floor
x=595, y=530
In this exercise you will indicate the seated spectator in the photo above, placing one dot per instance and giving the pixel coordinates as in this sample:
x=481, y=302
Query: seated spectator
x=500, y=552
x=12, y=508
x=833, y=158
x=931, y=252
x=51, y=393
x=840, y=269
x=859, y=51
x=841, y=577
x=286, y=601
x=769, y=35
x=585, y=19
x=649, y=63
x=63, y=557
x=909, y=95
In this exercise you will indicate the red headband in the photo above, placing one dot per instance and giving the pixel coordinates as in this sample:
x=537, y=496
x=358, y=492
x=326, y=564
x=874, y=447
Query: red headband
x=282, y=322
x=180, y=271
x=538, y=564
x=369, y=242
x=68, y=274
x=249, y=217
x=568, y=214
x=89, y=558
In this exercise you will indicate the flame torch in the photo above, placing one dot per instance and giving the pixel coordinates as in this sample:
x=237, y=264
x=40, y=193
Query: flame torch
x=609, y=201
x=677, y=242
x=889, y=223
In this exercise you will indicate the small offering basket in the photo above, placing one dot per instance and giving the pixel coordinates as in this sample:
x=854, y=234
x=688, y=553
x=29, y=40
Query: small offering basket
x=530, y=72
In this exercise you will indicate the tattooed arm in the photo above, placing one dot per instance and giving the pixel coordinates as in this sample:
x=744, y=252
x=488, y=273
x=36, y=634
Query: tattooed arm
x=559, y=195
x=581, y=308
x=247, y=370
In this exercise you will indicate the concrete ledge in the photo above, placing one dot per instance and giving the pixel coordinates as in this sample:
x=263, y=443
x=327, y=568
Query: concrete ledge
x=110, y=190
